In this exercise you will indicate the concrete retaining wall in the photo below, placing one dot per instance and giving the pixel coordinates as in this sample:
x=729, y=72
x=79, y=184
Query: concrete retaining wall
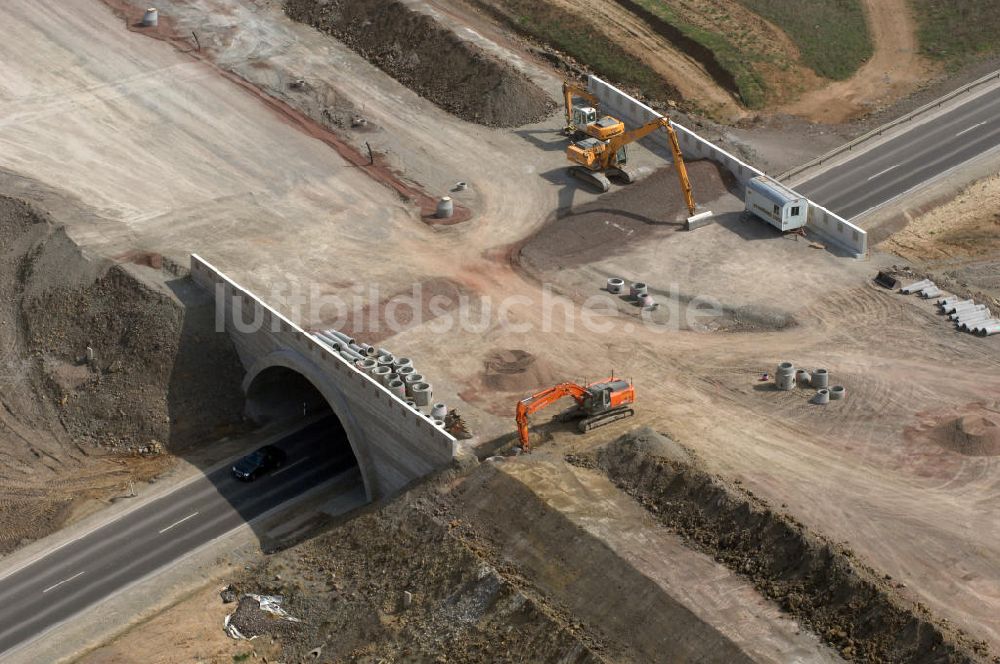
x=832, y=228
x=394, y=444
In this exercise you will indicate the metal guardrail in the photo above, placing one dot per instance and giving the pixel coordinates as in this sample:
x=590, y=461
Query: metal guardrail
x=847, y=147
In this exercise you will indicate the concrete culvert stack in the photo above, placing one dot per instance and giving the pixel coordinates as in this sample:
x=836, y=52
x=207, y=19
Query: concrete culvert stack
x=410, y=381
x=967, y=312
x=151, y=18
x=403, y=372
x=422, y=394
x=367, y=365
x=401, y=362
x=822, y=397
x=802, y=378
x=337, y=334
x=988, y=330
x=837, y=392
x=916, y=286
x=381, y=373
x=958, y=306
x=439, y=410
x=821, y=378
x=638, y=289
x=616, y=285
x=396, y=387
x=784, y=378
x=386, y=360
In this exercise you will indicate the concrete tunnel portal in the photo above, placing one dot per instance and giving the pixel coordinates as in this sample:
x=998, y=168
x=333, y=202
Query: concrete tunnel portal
x=392, y=443
x=280, y=393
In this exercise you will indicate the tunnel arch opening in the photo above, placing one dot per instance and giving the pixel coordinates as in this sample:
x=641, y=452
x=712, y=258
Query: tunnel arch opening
x=279, y=393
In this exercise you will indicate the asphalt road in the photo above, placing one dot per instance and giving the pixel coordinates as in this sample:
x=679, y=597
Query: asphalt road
x=910, y=159
x=83, y=572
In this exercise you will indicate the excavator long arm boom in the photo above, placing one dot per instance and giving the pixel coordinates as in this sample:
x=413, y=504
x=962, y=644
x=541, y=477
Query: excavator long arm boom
x=636, y=134
x=541, y=400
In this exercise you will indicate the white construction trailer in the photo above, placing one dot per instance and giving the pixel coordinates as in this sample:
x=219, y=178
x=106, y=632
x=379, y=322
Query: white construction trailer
x=776, y=204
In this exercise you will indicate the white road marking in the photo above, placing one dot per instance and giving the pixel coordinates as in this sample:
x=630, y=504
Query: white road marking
x=62, y=582
x=291, y=465
x=177, y=523
x=971, y=128
x=882, y=172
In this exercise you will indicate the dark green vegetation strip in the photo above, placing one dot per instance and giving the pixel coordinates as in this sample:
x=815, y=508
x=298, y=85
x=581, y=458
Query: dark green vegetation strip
x=723, y=61
x=831, y=35
x=567, y=33
x=957, y=30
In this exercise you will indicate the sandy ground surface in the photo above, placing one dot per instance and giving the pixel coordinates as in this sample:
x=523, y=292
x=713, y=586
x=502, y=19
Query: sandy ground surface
x=895, y=70
x=179, y=159
x=966, y=228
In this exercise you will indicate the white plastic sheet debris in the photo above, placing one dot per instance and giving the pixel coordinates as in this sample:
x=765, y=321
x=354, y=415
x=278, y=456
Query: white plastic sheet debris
x=267, y=603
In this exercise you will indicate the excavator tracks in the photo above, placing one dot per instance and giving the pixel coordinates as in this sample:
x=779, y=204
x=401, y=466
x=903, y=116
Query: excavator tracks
x=596, y=180
x=610, y=416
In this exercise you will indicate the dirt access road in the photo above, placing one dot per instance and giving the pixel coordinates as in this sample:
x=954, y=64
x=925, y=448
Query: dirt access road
x=895, y=70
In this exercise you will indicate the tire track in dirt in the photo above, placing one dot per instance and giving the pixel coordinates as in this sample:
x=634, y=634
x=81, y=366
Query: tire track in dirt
x=894, y=70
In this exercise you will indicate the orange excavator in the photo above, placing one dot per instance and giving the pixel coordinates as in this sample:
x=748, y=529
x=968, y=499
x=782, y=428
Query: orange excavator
x=596, y=159
x=582, y=121
x=597, y=404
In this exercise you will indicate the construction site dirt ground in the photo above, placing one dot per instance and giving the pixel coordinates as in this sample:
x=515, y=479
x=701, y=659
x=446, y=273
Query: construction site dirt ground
x=180, y=158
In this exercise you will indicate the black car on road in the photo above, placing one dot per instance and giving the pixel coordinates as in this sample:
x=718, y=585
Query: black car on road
x=259, y=462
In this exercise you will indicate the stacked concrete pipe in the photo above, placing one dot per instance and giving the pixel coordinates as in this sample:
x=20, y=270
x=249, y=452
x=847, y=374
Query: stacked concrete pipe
x=615, y=285
x=411, y=380
x=381, y=373
x=966, y=312
x=822, y=397
x=821, y=379
x=422, y=394
x=802, y=378
x=784, y=378
x=151, y=18
x=916, y=286
x=988, y=329
x=396, y=387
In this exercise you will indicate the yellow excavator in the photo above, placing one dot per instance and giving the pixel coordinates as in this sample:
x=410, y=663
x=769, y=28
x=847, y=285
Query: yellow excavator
x=597, y=159
x=583, y=121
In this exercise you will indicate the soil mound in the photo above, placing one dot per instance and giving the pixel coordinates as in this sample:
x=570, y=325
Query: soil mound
x=848, y=604
x=156, y=374
x=430, y=59
x=977, y=434
x=972, y=431
x=402, y=585
x=646, y=211
x=517, y=371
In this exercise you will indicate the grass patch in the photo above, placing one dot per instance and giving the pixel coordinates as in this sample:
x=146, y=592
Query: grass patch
x=958, y=30
x=831, y=35
x=567, y=33
x=713, y=50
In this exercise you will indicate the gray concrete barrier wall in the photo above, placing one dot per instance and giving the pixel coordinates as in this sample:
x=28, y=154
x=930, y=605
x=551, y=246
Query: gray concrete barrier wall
x=393, y=443
x=829, y=226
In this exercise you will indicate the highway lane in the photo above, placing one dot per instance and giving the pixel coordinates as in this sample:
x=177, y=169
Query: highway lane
x=909, y=159
x=84, y=571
